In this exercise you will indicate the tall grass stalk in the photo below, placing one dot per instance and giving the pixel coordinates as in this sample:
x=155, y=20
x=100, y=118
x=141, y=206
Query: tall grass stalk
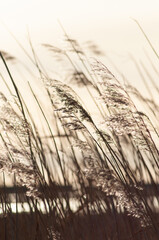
x=80, y=176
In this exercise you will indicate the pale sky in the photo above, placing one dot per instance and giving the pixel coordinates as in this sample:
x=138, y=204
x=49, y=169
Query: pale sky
x=107, y=22
x=82, y=17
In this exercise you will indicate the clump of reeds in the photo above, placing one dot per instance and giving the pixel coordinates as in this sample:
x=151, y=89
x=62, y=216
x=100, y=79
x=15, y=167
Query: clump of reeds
x=82, y=169
x=16, y=158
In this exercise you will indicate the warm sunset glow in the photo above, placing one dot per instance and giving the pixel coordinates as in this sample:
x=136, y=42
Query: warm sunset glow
x=77, y=16
x=79, y=119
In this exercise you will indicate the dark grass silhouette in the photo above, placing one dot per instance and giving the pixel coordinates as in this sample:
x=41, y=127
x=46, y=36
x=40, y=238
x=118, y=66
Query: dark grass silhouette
x=85, y=179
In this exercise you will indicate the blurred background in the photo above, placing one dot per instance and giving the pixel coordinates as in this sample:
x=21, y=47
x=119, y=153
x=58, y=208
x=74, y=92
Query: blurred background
x=108, y=24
